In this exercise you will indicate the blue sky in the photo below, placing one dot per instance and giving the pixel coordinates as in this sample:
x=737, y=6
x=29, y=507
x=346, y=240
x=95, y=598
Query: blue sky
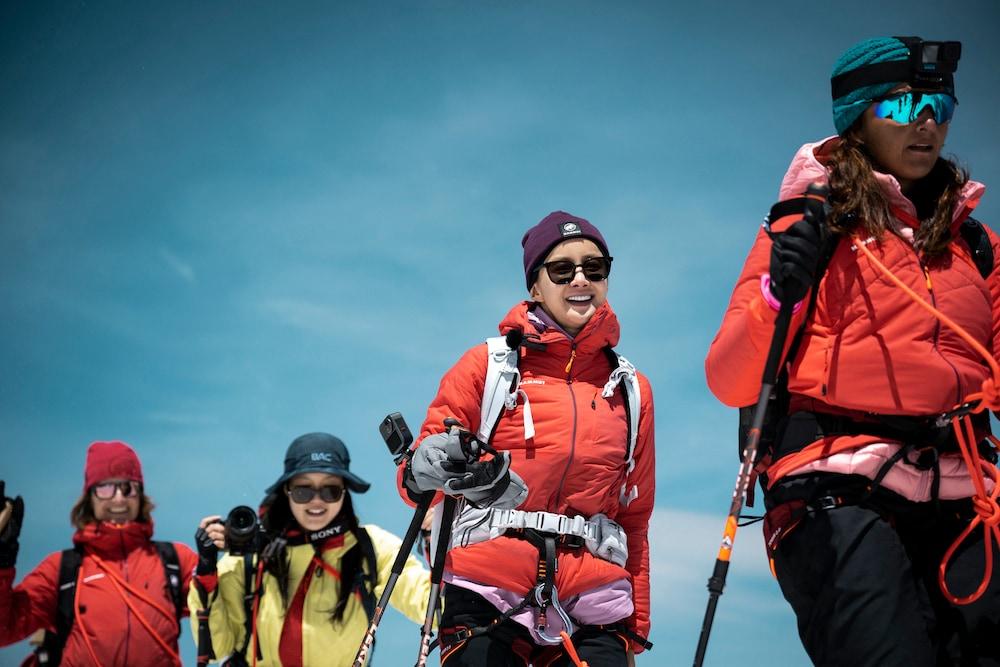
x=224, y=224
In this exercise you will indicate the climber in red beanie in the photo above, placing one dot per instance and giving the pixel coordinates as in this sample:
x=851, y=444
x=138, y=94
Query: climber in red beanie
x=117, y=596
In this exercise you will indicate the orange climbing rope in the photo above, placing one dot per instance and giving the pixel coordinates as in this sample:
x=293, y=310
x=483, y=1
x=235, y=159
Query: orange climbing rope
x=985, y=504
x=123, y=587
x=571, y=650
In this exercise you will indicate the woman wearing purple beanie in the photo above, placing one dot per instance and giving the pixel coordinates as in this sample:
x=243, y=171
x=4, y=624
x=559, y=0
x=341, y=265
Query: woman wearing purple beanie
x=878, y=468
x=549, y=558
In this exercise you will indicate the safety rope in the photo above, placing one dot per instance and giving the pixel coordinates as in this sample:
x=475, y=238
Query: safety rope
x=123, y=587
x=571, y=650
x=985, y=504
x=79, y=619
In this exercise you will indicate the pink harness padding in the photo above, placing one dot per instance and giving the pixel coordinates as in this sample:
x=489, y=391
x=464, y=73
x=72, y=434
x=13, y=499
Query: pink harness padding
x=598, y=606
x=904, y=478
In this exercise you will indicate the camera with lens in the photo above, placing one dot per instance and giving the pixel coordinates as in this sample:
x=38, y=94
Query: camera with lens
x=244, y=534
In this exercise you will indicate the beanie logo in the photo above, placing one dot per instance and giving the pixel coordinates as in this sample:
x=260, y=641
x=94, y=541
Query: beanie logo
x=570, y=229
x=322, y=456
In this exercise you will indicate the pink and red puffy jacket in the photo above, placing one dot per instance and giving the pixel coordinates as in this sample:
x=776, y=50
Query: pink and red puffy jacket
x=867, y=348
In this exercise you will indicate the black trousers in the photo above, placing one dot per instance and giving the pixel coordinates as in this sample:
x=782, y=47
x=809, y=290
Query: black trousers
x=862, y=580
x=510, y=644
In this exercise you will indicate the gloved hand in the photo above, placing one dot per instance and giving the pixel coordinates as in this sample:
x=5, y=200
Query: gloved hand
x=206, y=538
x=486, y=483
x=11, y=517
x=425, y=471
x=794, y=260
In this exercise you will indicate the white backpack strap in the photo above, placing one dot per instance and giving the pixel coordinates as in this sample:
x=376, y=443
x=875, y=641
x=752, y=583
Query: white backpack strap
x=502, y=389
x=633, y=400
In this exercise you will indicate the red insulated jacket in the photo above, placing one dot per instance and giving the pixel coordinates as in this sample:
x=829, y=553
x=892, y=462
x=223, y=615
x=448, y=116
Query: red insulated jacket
x=867, y=348
x=116, y=633
x=574, y=465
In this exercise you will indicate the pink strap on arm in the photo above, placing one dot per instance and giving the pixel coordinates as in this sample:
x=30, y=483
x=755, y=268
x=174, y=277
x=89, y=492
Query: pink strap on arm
x=765, y=291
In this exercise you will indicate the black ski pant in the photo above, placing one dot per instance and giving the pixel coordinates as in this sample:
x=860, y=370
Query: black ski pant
x=862, y=580
x=510, y=644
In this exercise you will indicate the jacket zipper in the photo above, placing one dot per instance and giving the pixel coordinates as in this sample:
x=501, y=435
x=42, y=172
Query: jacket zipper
x=572, y=440
x=937, y=326
x=128, y=614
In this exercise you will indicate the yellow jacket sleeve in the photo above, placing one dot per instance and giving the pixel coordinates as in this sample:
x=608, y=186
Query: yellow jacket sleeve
x=414, y=584
x=226, y=617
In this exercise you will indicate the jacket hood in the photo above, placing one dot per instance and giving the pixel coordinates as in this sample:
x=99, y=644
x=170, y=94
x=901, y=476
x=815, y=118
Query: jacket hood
x=808, y=166
x=113, y=540
x=601, y=331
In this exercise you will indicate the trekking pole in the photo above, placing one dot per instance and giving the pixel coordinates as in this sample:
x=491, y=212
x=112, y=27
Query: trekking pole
x=437, y=573
x=718, y=579
x=398, y=438
x=472, y=449
x=717, y=582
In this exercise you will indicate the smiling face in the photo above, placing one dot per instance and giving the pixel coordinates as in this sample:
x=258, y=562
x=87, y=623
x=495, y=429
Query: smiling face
x=316, y=513
x=908, y=151
x=573, y=304
x=119, y=508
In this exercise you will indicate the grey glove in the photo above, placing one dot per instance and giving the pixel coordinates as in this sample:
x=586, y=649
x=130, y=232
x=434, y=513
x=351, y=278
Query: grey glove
x=486, y=483
x=425, y=468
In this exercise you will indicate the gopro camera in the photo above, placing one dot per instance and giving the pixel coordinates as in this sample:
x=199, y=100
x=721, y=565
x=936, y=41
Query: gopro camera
x=397, y=436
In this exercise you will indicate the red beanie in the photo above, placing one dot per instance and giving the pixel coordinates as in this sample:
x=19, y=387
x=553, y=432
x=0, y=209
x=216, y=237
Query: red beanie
x=111, y=460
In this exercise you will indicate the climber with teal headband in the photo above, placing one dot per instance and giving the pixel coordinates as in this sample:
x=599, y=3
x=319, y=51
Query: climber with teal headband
x=870, y=490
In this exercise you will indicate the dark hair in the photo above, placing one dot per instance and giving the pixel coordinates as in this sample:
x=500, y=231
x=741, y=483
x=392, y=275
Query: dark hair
x=82, y=513
x=277, y=519
x=858, y=203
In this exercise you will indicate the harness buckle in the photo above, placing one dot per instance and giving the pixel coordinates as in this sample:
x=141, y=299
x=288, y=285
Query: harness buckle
x=927, y=458
x=825, y=503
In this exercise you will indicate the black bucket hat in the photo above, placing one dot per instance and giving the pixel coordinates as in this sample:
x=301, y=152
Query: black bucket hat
x=319, y=452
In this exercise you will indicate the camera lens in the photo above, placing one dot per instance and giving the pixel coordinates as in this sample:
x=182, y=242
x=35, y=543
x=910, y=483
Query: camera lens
x=242, y=528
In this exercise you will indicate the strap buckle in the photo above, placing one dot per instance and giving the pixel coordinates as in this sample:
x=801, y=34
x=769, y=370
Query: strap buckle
x=825, y=503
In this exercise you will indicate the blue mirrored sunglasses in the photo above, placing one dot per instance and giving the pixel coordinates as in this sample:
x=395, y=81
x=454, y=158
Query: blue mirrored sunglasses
x=905, y=108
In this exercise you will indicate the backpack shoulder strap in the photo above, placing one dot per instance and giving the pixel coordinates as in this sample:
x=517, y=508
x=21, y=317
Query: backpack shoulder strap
x=249, y=593
x=50, y=652
x=624, y=375
x=367, y=590
x=502, y=387
x=974, y=234
x=172, y=571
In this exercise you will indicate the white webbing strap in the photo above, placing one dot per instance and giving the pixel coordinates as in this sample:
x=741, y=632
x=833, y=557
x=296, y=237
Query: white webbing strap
x=604, y=538
x=626, y=371
x=502, y=389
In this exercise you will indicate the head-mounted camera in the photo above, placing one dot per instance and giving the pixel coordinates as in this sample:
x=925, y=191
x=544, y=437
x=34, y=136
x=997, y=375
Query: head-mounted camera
x=930, y=68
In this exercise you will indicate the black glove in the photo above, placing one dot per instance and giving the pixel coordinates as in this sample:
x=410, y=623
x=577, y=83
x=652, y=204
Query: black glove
x=483, y=483
x=795, y=256
x=8, y=536
x=208, y=553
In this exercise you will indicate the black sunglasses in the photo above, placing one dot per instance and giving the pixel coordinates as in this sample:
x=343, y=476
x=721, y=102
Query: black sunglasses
x=106, y=490
x=562, y=271
x=305, y=494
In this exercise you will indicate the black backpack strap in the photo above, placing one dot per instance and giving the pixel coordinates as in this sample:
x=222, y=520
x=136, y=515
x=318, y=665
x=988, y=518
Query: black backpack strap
x=367, y=582
x=50, y=652
x=249, y=593
x=172, y=571
x=974, y=234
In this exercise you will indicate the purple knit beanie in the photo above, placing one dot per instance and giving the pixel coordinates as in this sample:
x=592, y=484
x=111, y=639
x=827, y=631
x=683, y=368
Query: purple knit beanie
x=555, y=228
